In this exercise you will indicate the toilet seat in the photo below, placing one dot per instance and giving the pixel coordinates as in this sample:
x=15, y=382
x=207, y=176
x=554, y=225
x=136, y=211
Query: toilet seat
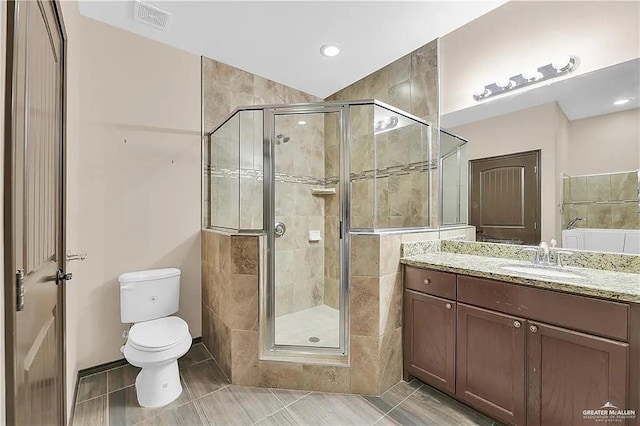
x=158, y=335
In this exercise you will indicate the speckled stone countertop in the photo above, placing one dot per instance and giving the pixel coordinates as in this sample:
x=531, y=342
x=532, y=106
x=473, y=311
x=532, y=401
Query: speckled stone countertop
x=621, y=286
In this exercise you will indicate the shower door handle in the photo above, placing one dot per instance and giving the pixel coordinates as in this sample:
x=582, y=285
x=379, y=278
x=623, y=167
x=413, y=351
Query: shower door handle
x=280, y=229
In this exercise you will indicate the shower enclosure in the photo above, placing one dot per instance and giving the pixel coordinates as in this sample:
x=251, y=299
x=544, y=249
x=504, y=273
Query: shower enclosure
x=454, y=178
x=305, y=177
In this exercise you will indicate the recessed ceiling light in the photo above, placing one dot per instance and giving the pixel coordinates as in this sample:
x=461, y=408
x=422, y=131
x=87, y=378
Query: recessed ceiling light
x=302, y=122
x=621, y=101
x=330, y=50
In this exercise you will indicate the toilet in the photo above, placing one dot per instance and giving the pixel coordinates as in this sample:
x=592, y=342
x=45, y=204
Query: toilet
x=156, y=339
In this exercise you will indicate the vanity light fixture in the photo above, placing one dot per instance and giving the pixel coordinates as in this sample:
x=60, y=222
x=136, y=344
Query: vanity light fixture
x=622, y=101
x=302, y=122
x=556, y=68
x=330, y=50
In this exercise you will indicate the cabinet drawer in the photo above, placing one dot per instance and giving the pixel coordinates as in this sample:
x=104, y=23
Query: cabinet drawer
x=437, y=283
x=600, y=317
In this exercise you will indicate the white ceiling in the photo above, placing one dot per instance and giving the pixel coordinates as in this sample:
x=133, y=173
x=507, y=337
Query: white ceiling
x=582, y=96
x=281, y=40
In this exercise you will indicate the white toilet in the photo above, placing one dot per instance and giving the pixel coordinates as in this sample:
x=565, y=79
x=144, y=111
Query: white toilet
x=156, y=340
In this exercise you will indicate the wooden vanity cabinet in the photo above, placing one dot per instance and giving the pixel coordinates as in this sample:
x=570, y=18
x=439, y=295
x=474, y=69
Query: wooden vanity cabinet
x=491, y=360
x=569, y=370
x=520, y=354
x=429, y=336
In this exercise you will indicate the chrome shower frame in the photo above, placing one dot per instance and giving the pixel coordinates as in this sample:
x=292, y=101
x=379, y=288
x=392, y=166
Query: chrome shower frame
x=269, y=350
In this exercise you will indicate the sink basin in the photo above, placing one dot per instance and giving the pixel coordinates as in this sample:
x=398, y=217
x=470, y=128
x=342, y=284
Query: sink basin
x=542, y=271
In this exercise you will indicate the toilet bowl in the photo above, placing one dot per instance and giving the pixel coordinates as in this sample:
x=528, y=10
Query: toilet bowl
x=156, y=340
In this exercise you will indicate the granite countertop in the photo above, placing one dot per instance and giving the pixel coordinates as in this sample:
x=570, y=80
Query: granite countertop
x=621, y=286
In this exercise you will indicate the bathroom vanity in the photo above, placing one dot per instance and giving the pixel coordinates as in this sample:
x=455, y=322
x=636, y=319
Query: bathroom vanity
x=513, y=346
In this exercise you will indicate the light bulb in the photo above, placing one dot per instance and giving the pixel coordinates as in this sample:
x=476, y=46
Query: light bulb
x=621, y=101
x=302, y=122
x=532, y=74
x=505, y=83
x=562, y=63
x=481, y=91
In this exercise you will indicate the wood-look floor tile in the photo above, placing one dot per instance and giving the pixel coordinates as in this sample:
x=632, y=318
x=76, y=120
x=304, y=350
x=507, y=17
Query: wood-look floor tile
x=283, y=417
x=333, y=409
x=122, y=377
x=388, y=421
x=289, y=396
x=125, y=410
x=92, y=386
x=203, y=378
x=91, y=413
x=394, y=396
x=238, y=405
x=196, y=353
x=430, y=407
x=186, y=415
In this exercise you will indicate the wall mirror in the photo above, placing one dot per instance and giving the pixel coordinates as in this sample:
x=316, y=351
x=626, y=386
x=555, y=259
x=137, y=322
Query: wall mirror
x=583, y=124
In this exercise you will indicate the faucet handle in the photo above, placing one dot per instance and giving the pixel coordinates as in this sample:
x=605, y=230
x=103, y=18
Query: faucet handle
x=559, y=253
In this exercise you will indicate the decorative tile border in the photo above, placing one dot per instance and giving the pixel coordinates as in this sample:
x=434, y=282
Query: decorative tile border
x=400, y=170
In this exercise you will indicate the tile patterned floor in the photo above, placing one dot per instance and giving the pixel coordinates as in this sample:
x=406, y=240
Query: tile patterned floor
x=109, y=398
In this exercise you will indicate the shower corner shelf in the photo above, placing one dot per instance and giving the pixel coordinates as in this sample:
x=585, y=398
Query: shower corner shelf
x=323, y=191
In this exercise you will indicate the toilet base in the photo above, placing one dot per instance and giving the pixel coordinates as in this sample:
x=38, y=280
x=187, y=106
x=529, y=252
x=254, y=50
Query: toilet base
x=158, y=386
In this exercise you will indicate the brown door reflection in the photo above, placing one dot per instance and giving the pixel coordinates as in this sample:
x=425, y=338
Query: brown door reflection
x=505, y=198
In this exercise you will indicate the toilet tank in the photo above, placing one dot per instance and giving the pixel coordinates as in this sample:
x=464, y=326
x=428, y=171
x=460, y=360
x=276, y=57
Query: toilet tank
x=147, y=295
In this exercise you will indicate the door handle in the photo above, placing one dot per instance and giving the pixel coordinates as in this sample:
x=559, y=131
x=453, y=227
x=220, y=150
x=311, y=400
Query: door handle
x=62, y=276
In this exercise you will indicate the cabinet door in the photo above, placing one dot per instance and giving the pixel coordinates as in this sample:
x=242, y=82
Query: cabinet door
x=429, y=335
x=491, y=362
x=570, y=372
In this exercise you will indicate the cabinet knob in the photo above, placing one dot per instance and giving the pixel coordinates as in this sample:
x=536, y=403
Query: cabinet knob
x=427, y=281
x=516, y=324
x=533, y=328
x=448, y=306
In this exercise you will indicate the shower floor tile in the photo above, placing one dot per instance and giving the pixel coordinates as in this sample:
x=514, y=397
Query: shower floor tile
x=317, y=326
x=212, y=400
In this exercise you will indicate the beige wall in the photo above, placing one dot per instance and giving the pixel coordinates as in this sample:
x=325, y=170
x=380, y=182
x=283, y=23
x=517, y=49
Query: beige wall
x=526, y=130
x=523, y=34
x=3, y=21
x=604, y=144
x=134, y=181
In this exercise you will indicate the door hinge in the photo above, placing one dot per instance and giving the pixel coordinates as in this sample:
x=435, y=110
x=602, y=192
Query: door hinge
x=535, y=169
x=535, y=226
x=61, y=276
x=20, y=290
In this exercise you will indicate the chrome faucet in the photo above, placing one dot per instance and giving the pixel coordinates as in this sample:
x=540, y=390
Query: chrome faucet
x=572, y=222
x=543, y=254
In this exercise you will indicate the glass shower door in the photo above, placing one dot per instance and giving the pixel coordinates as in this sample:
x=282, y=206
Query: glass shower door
x=305, y=249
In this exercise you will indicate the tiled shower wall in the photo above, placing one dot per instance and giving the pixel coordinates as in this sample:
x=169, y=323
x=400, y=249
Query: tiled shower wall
x=410, y=84
x=606, y=201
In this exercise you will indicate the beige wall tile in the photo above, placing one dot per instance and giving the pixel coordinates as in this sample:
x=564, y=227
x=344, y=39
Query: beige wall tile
x=390, y=254
x=244, y=358
x=578, y=188
x=244, y=255
x=390, y=359
x=365, y=368
x=390, y=302
x=331, y=292
x=243, y=302
x=365, y=255
x=365, y=306
x=624, y=186
x=599, y=188
x=625, y=216
x=325, y=378
x=599, y=216
x=284, y=375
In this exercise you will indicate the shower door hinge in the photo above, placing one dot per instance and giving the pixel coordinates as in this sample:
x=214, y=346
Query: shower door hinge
x=20, y=290
x=340, y=230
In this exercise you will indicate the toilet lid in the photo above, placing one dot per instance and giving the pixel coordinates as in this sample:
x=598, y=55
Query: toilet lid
x=158, y=334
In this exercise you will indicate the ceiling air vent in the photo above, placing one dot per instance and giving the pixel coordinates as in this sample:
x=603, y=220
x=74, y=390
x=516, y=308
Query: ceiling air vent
x=151, y=15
